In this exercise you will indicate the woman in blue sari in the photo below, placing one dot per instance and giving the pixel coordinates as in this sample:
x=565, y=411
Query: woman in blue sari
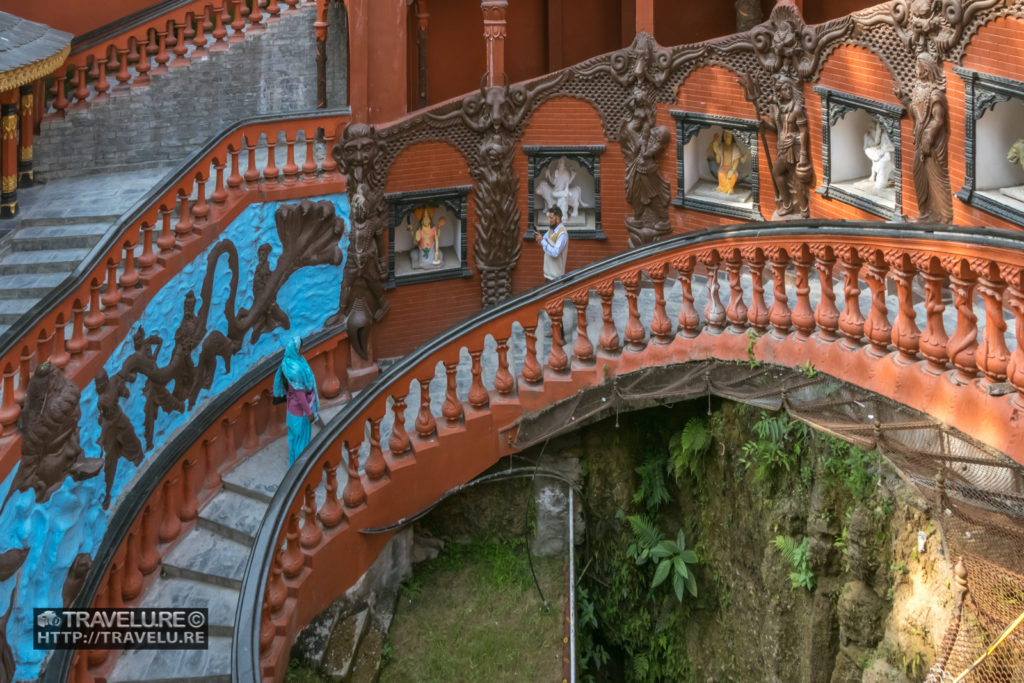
x=295, y=383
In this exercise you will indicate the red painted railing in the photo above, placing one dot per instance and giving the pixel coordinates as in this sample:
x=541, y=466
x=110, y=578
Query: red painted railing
x=78, y=324
x=156, y=41
x=305, y=556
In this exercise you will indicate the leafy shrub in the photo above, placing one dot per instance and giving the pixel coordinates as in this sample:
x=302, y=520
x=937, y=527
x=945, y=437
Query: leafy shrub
x=798, y=555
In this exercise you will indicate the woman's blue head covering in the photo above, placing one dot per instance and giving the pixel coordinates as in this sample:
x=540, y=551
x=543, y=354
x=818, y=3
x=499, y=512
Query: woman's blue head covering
x=294, y=369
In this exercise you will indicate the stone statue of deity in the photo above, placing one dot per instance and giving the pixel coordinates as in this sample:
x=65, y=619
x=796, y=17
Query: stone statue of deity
x=879, y=149
x=427, y=239
x=1016, y=153
x=727, y=156
x=557, y=189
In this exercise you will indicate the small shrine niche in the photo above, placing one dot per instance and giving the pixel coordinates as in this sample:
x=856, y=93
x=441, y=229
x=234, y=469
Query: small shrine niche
x=994, y=178
x=427, y=235
x=860, y=153
x=569, y=178
x=717, y=165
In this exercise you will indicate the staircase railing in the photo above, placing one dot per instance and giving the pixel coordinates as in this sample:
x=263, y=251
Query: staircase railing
x=156, y=40
x=304, y=555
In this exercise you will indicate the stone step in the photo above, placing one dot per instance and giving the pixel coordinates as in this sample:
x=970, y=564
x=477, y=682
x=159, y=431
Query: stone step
x=42, y=261
x=233, y=515
x=12, y=309
x=73, y=236
x=212, y=665
x=209, y=557
x=258, y=475
x=29, y=285
x=49, y=221
x=220, y=602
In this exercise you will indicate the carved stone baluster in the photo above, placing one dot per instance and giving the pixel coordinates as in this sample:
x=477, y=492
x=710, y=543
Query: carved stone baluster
x=331, y=513
x=24, y=375
x=9, y=408
x=148, y=257
x=131, y=583
x=170, y=523
x=992, y=355
x=149, y=556
x=531, y=371
x=354, y=494
x=851, y=322
x=277, y=591
x=963, y=344
x=1014, y=277
x=609, y=340
x=311, y=531
x=582, y=349
x=376, y=467
x=114, y=590
x=736, y=313
x=271, y=171
x=291, y=169
x=714, y=311
x=77, y=343
x=252, y=171
x=451, y=410
x=398, y=442
x=130, y=276
x=166, y=239
x=183, y=226
x=689, y=321
x=661, y=326
x=757, y=314
x=933, y=340
x=250, y=442
x=634, y=332
x=478, y=396
x=504, y=382
x=426, y=425
x=291, y=557
x=826, y=315
x=877, y=328
x=905, y=335
x=309, y=164
x=112, y=296
x=60, y=356
x=558, y=361
x=267, y=628
x=94, y=318
x=331, y=384
x=779, y=315
x=190, y=503
x=234, y=180
x=220, y=192
x=803, y=314
x=213, y=478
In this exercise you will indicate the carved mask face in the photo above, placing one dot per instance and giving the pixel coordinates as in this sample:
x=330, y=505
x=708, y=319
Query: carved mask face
x=923, y=16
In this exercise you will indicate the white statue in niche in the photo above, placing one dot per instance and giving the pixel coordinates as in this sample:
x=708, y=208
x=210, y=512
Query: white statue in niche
x=557, y=189
x=1015, y=156
x=879, y=149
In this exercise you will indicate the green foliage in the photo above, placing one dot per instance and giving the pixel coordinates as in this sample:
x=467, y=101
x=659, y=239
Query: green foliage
x=798, y=555
x=686, y=451
x=592, y=654
x=752, y=338
x=297, y=673
x=673, y=558
x=851, y=469
x=779, y=445
x=646, y=536
x=652, y=491
x=806, y=369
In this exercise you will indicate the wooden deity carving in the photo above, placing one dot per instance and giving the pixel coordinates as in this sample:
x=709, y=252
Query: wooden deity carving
x=647, y=192
x=362, y=299
x=929, y=111
x=50, y=449
x=792, y=172
x=117, y=434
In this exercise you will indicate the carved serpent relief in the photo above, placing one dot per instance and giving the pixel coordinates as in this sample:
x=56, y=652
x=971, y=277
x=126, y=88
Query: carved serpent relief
x=309, y=234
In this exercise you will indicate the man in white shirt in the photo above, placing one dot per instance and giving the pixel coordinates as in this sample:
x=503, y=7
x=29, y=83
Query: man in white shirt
x=555, y=243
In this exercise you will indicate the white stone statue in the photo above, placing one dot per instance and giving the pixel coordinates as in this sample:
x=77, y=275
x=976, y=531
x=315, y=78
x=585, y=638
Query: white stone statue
x=879, y=149
x=1016, y=153
x=557, y=189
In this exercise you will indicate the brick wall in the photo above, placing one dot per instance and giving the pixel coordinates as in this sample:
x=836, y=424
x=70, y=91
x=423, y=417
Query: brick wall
x=163, y=123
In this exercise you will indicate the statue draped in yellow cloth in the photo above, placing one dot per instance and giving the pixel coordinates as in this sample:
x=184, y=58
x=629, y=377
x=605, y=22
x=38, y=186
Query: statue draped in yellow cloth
x=428, y=236
x=727, y=155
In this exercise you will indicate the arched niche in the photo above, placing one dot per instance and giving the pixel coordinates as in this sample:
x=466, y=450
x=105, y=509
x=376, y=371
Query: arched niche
x=860, y=153
x=427, y=235
x=568, y=177
x=703, y=151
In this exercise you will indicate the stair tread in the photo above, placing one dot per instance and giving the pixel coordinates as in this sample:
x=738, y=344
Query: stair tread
x=45, y=256
x=235, y=511
x=179, y=592
x=178, y=665
x=208, y=553
x=56, y=232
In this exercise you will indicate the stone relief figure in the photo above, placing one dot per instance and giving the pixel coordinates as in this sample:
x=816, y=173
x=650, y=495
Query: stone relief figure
x=557, y=189
x=498, y=244
x=727, y=157
x=879, y=149
x=50, y=448
x=792, y=172
x=1016, y=153
x=426, y=238
x=929, y=111
x=362, y=300
x=647, y=192
x=117, y=434
x=272, y=317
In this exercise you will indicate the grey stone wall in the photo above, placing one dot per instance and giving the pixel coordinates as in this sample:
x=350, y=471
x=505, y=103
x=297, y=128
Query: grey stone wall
x=160, y=125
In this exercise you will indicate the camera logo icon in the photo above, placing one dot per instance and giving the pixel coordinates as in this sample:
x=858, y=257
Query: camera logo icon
x=48, y=618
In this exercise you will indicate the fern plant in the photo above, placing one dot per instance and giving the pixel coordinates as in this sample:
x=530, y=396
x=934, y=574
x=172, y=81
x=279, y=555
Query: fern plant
x=686, y=450
x=799, y=556
x=652, y=491
x=778, y=446
x=646, y=537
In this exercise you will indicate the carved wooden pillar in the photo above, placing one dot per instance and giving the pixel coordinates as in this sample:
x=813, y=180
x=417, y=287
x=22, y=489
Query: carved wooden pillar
x=9, y=153
x=494, y=35
x=26, y=176
x=422, y=19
